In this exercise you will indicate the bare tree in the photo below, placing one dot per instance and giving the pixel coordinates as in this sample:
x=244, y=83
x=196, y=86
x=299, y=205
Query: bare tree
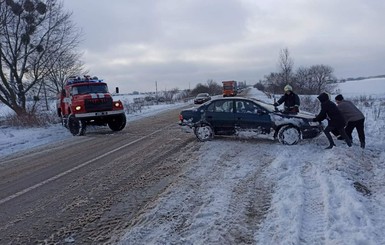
x=285, y=64
x=322, y=79
x=273, y=82
x=276, y=81
x=67, y=64
x=315, y=80
x=302, y=80
x=34, y=34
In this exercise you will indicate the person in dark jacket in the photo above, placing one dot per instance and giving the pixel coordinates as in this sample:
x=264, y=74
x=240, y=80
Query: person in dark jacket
x=353, y=117
x=335, y=119
x=290, y=99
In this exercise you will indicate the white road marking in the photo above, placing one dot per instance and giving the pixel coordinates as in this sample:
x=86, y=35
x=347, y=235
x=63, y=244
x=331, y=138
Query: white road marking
x=75, y=168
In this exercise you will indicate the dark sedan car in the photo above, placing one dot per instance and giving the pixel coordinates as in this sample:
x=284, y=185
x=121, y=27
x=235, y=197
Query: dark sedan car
x=229, y=116
x=202, y=98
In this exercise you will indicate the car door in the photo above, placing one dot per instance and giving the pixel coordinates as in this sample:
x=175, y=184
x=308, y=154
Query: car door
x=250, y=116
x=220, y=115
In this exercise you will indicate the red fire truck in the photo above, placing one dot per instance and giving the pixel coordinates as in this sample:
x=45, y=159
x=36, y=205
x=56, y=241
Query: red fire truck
x=86, y=101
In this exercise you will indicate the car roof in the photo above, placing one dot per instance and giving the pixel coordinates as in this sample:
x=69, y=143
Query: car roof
x=261, y=103
x=240, y=98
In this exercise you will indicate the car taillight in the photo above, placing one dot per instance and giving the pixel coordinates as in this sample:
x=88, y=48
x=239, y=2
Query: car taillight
x=180, y=117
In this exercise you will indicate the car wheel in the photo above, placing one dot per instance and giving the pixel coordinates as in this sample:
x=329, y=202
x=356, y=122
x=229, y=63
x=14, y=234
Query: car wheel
x=203, y=132
x=289, y=135
x=77, y=127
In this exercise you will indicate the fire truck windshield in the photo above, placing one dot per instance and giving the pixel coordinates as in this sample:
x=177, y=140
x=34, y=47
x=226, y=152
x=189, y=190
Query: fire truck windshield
x=90, y=89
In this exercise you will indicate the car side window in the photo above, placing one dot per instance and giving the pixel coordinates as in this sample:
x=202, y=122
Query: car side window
x=240, y=107
x=228, y=106
x=221, y=106
x=251, y=107
x=246, y=107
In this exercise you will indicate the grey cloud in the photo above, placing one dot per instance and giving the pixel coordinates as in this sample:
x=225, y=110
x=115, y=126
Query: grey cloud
x=190, y=41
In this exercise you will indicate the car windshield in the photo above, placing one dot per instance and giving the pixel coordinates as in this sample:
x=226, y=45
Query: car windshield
x=202, y=95
x=89, y=89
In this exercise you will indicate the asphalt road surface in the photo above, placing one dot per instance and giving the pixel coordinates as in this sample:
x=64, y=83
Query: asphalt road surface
x=87, y=188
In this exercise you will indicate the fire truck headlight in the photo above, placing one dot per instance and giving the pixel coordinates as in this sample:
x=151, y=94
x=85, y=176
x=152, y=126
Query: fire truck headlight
x=78, y=108
x=117, y=104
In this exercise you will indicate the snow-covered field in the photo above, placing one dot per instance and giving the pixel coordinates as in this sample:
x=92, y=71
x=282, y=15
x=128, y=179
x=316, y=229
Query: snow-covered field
x=317, y=196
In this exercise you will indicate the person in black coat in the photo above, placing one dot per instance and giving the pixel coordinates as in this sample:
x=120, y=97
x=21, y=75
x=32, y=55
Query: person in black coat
x=290, y=99
x=335, y=119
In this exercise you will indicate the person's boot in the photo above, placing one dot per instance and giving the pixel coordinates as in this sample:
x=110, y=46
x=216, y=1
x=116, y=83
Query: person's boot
x=349, y=143
x=330, y=146
x=363, y=145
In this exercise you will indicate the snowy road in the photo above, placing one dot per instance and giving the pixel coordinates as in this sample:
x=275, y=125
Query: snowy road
x=85, y=189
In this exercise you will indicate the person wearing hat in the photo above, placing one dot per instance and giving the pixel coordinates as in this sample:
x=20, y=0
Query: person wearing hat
x=290, y=99
x=335, y=119
x=354, y=118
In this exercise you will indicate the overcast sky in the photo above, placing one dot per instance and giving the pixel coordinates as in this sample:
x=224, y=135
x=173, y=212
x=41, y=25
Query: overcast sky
x=135, y=44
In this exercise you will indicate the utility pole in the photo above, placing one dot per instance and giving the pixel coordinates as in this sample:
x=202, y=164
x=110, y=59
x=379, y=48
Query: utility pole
x=156, y=92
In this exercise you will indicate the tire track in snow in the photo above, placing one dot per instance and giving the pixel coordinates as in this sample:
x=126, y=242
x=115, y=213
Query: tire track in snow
x=314, y=216
x=216, y=191
x=249, y=204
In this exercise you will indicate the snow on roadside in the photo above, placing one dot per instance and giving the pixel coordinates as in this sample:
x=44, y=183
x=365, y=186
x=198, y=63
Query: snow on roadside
x=315, y=200
x=13, y=140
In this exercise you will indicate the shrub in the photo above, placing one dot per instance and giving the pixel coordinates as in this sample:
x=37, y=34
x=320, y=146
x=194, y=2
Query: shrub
x=31, y=120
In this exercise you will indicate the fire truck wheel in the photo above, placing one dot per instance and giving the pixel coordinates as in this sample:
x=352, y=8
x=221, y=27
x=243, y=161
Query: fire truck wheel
x=76, y=126
x=117, y=123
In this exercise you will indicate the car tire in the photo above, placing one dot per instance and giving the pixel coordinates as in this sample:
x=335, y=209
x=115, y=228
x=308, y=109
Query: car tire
x=289, y=135
x=204, y=132
x=76, y=126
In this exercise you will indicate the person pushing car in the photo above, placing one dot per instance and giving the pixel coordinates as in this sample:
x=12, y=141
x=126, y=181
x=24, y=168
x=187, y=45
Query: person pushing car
x=335, y=119
x=354, y=118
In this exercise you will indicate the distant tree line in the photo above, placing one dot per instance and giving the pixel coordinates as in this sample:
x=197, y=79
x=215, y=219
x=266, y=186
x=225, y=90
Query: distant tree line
x=211, y=87
x=305, y=80
x=361, y=78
